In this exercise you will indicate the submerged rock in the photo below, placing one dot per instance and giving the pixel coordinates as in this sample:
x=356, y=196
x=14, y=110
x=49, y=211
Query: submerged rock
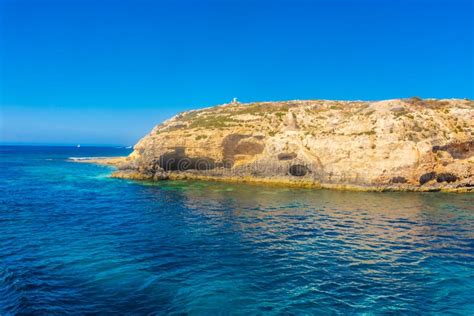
x=400, y=144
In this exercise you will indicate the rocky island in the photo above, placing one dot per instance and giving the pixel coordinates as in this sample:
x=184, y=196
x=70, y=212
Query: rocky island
x=402, y=144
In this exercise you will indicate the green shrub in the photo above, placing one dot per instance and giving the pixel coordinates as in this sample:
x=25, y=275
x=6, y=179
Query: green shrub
x=211, y=121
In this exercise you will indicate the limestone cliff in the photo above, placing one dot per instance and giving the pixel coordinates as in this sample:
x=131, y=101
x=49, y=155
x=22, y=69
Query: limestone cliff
x=402, y=144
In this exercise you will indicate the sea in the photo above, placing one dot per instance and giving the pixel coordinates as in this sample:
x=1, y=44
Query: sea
x=75, y=241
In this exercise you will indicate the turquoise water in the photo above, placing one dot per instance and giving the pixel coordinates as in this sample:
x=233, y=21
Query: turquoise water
x=73, y=240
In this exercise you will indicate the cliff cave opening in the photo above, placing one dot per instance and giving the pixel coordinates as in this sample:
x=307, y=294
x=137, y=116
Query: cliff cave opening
x=298, y=170
x=178, y=161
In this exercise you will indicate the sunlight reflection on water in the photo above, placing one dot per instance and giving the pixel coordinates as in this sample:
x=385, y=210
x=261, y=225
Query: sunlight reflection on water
x=74, y=241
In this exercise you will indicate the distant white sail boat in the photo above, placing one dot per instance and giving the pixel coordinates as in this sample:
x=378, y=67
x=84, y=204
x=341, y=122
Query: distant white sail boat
x=78, y=145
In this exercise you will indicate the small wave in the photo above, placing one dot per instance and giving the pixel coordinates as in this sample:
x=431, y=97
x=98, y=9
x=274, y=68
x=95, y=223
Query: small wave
x=84, y=158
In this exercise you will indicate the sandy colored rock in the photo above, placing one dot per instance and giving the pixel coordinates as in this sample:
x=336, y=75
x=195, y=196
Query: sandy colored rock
x=384, y=145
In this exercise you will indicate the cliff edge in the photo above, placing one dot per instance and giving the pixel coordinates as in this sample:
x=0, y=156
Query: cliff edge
x=402, y=144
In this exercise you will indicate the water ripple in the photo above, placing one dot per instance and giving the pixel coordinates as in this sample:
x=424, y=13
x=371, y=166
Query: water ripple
x=73, y=241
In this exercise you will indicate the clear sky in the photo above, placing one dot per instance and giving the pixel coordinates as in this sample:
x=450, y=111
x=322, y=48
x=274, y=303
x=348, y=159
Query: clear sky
x=105, y=72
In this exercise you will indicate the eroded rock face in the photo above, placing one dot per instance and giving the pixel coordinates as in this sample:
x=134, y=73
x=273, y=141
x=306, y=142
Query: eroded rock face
x=398, y=144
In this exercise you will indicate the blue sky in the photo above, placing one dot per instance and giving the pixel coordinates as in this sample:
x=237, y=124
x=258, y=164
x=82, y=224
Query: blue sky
x=105, y=72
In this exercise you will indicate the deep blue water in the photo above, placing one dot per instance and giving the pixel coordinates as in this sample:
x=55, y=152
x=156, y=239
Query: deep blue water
x=73, y=240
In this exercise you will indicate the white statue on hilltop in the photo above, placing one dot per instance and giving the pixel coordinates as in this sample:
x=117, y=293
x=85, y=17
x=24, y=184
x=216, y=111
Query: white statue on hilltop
x=234, y=101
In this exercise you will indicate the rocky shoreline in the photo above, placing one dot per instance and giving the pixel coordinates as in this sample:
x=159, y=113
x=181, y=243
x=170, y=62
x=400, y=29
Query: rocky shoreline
x=130, y=175
x=394, y=145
